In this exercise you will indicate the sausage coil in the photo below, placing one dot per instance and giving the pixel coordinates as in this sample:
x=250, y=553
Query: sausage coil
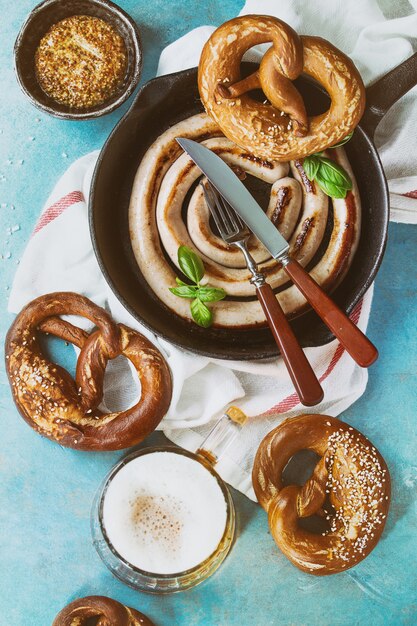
x=162, y=185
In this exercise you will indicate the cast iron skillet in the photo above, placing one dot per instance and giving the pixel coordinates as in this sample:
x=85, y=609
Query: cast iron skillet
x=166, y=100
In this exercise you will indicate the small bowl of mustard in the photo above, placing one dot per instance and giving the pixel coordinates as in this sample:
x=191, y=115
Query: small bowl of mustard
x=78, y=59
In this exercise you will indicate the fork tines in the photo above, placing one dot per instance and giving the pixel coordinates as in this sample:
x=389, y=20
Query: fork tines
x=228, y=222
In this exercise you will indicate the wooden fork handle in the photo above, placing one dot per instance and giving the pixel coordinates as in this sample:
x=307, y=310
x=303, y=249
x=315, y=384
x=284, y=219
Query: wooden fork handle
x=304, y=379
x=349, y=335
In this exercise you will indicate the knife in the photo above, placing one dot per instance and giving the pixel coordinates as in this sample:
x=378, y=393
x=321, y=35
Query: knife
x=235, y=193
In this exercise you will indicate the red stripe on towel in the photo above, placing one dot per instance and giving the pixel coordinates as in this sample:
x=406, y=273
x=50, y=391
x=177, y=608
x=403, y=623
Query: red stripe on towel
x=291, y=401
x=411, y=194
x=57, y=208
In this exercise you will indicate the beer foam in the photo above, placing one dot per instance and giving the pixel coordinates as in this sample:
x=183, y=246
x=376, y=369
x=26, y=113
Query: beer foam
x=164, y=512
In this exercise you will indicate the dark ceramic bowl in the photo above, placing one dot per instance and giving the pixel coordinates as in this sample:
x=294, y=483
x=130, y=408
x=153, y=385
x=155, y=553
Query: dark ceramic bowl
x=50, y=12
x=166, y=100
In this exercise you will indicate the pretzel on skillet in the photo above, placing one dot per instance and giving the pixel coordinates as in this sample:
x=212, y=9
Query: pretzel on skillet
x=278, y=129
x=350, y=481
x=65, y=410
x=107, y=611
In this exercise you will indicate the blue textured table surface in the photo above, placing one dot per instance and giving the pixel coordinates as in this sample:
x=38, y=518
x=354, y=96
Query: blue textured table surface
x=46, y=555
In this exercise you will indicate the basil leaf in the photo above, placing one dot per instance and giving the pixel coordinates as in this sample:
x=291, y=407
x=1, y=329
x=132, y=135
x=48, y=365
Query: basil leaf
x=333, y=173
x=190, y=263
x=331, y=189
x=180, y=282
x=345, y=140
x=201, y=313
x=311, y=164
x=185, y=291
x=210, y=294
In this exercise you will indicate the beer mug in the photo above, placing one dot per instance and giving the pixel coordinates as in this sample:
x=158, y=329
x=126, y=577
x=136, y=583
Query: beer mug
x=163, y=520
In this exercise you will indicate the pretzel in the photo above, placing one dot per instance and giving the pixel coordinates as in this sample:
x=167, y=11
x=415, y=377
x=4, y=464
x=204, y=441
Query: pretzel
x=107, y=612
x=65, y=410
x=350, y=487
x=278, y=129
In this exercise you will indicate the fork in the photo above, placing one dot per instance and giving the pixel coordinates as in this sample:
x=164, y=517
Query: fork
x=234, y=232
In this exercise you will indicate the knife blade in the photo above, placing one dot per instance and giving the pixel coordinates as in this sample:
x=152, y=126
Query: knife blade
x=234, y=191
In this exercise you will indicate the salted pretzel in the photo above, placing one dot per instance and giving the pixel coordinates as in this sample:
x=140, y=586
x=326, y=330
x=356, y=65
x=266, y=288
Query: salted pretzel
x=278, y=129
x=108, y=612
x=349, y=488
x=65, y=410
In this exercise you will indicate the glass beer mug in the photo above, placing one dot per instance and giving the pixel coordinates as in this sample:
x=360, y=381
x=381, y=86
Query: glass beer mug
x=163, y=520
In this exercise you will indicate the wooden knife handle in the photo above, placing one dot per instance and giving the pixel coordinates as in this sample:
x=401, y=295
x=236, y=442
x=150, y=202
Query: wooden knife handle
x=349, y=335
x=304, y=379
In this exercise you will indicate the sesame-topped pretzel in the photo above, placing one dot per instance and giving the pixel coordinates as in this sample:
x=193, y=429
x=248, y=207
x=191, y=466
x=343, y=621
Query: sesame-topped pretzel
x=349, y=487
x=108, y=612
x=66, y=410
x=278, y=129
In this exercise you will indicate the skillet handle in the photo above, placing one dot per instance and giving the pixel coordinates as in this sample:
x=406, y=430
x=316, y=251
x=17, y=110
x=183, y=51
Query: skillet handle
x=350, y=336
x=382, y=94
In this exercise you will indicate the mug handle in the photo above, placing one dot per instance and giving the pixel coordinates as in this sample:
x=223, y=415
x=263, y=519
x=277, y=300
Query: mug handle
x=222, y=434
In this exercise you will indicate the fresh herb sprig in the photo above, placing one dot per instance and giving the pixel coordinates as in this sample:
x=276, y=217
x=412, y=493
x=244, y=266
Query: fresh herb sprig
x=329, y=176
x=192, y=266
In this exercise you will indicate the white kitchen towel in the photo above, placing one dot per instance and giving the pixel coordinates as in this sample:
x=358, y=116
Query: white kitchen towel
x=59, y=257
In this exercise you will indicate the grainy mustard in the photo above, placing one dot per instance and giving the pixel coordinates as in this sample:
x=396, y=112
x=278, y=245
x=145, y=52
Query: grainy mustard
x=81, y=61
